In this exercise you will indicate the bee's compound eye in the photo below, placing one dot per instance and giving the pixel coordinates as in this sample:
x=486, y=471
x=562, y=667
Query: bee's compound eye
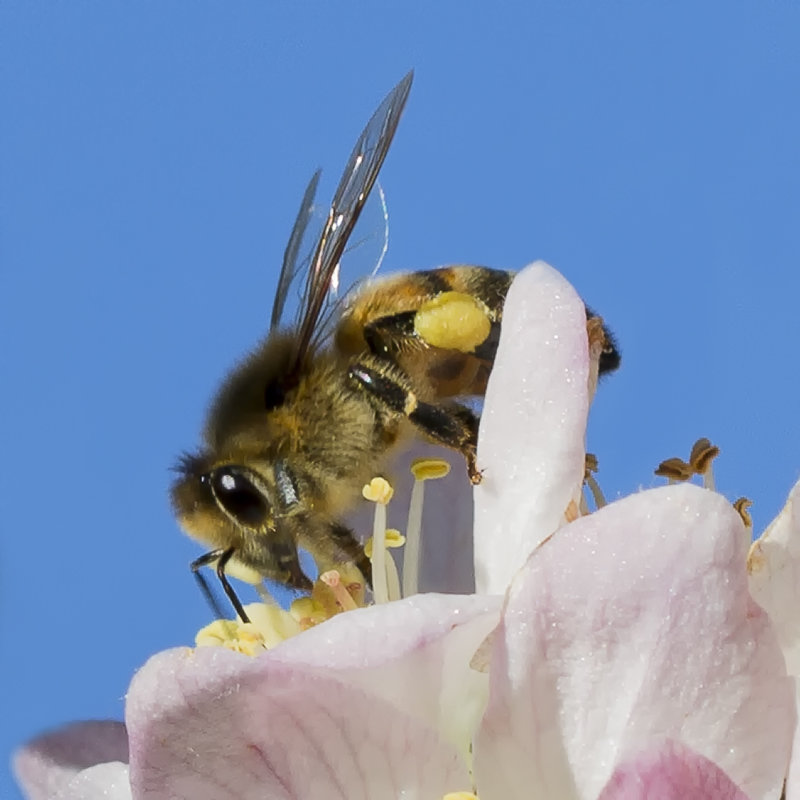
x=239, y=497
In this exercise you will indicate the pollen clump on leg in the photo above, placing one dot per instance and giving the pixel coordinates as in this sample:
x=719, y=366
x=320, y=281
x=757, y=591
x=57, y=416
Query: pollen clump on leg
x=453, y=321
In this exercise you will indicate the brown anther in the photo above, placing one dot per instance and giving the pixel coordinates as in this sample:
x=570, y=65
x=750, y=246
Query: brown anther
x=741, y=505
x=676, y=469
x=590, y=465
x=703, y=453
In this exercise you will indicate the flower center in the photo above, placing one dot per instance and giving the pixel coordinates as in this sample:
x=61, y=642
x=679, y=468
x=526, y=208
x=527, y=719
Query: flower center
x=341, y=589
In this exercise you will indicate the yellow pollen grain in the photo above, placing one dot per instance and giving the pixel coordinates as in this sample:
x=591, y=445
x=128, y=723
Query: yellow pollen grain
x=378, y=490
x=460, y=796
x=453, y=321
x=426, y=469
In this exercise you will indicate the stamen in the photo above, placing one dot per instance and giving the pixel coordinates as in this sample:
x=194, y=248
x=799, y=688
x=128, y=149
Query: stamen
x=392, y=578
x=703, y=453
x=591, y=481
x=332, y=579
x=394, y=539
x=572, y=512
x=379, y=491
x=741, y=505
x=423, y=469
x=700, y=463
x=676, y=470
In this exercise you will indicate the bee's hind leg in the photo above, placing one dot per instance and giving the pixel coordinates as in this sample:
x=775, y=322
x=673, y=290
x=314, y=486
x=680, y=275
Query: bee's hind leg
x=450, y=424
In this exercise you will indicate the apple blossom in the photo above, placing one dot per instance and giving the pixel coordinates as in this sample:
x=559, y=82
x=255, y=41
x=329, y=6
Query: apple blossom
x=617, y=656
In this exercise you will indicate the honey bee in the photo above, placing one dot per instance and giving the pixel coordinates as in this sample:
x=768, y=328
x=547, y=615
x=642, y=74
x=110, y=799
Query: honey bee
x=321, y=405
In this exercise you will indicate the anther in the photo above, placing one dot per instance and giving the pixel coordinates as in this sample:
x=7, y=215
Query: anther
x=594, y=487
x=674, y=470
x=332, y=579
x=423, y=469
x=742, y=505
x=703, y=453
x=380, y=492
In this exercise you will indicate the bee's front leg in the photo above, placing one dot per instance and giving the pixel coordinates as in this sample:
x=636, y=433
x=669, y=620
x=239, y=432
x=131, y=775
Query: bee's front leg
x=450, y=424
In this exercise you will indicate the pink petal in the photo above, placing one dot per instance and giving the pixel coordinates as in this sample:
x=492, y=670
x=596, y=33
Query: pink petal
x=49, y=763
x=211, y=724
x=670, y=772
x=630, y=626
x=414, y=653
x=531, y=442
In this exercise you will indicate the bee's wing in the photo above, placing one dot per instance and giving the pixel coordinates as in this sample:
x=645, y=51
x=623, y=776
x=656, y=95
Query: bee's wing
x=291, y=268
x=355, y=185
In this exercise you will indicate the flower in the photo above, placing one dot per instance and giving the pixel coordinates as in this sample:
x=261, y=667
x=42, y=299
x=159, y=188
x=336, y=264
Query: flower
x=618, y=656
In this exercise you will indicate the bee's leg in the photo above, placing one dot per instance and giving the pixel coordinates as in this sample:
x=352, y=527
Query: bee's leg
x=345, y=544
x=333, y=543
x=450, y=424
x=220, y=559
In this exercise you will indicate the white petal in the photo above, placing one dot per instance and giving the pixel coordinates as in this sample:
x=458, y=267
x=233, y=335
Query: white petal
x=48, y=764
x=415, y=654
x=101, y=782
x=532, y=434
x=212, y=725
x=774, y=565
x=630, y=626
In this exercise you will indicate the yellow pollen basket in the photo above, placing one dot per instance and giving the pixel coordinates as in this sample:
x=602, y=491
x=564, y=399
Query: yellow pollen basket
x=453, y=321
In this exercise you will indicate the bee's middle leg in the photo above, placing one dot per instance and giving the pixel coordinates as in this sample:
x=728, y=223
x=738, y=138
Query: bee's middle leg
x=450, y=424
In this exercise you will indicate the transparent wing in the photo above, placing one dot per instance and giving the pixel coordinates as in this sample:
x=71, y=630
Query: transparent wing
x=354, y=187
x=291, y=266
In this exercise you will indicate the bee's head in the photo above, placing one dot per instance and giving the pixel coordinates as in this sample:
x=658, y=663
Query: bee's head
x=227, y=505
x=220, y=503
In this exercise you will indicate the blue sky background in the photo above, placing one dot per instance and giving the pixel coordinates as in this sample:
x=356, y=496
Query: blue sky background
x=152, y=156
